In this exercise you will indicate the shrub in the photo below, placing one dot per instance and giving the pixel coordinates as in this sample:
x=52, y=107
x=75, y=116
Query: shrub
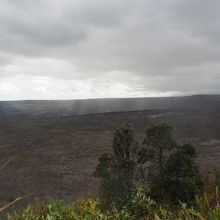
x=139, y=208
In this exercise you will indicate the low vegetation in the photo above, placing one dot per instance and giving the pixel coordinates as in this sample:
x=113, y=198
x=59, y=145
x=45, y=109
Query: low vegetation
x=156, y=179
x=139, y=207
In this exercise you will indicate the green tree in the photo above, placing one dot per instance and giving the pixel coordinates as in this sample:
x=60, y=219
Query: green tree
x=119, y=170
x=172, y=173
x=157, y=143
x=181, y=179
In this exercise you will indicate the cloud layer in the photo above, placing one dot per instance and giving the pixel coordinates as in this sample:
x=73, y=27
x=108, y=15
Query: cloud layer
x=53, y=49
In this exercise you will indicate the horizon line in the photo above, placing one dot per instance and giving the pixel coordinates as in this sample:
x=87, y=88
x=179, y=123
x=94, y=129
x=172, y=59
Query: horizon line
x=101, y=98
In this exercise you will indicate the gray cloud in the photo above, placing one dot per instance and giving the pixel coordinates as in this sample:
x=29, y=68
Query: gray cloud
x=149, y=47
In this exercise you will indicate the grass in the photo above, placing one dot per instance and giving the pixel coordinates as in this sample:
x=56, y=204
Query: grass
x=140, y=207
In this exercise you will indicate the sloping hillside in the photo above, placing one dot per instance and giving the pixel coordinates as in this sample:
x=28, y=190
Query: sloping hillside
x=56, y=156
x=54, y=145
x=92, y=106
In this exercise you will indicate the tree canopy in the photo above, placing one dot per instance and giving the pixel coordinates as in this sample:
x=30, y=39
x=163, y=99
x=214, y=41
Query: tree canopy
x=119, y=170
x=171, y=170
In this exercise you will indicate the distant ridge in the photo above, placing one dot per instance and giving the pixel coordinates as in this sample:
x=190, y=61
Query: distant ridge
x=92, y=106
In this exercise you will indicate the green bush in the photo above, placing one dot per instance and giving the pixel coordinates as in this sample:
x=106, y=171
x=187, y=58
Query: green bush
x=82, y=209
x=141, y=205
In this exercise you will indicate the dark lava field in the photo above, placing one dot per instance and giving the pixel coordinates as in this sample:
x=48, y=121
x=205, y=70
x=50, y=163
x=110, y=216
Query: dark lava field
x=55, y=155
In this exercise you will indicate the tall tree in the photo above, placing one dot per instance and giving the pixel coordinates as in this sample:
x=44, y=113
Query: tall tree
x=172, y=171
x=181, y=178
x=157, y=143
x=119, y=170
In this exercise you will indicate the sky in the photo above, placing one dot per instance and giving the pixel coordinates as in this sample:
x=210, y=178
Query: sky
x=76, y=49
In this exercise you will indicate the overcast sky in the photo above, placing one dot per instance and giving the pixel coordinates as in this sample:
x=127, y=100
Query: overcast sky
x=65, y=49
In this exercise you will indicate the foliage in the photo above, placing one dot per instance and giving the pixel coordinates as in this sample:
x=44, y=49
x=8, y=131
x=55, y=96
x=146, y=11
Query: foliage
x=119, y=171
x=57, y=210
x=140, y=207
x=157, y=146
x=172, y=173
x=157, y=143
x=179, y=180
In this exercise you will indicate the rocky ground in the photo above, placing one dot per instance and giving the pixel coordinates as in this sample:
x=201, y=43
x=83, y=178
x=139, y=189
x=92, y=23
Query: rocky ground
x=56, y=156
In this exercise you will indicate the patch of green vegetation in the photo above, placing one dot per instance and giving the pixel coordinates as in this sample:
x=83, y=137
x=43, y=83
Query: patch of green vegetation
x=139, y=207
x=165, y=170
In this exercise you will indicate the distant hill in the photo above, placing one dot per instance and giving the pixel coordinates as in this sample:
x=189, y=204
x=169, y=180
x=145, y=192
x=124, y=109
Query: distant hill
x=91, y=106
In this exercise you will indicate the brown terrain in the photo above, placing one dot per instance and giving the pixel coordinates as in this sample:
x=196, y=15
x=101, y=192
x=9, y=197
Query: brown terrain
x=54, y=155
